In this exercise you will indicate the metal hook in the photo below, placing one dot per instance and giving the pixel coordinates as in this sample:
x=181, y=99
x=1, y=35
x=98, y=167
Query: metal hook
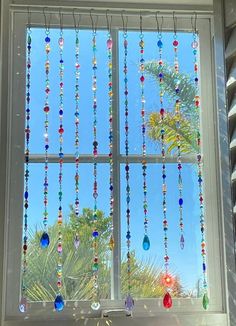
x=108, y=23
x=125, y=23
x=175, y=22
x=76, y=24
x=47, y=25
x=29, y=18
x=141, y=23
x=194, y=23
x=94, y=25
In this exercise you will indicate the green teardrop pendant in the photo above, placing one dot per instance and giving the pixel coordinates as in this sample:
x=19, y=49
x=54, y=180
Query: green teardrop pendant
x=205, y=301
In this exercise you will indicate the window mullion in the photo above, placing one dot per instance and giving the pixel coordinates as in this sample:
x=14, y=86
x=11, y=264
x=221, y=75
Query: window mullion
x=116, y=259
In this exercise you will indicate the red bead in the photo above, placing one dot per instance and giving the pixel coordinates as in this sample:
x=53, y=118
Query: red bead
x=61, y=130
x=162, y=111
x=25, y=247
x=175, y=43
x=167, y=301
x=142, y=79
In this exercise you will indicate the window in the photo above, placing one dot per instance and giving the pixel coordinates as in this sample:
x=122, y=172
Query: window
x=189, y=304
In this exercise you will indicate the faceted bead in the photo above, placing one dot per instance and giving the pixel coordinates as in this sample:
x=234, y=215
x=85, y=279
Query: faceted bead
x=160, y=44
x=181, y=201
x=167, y=301
x=182, y=241
x=205, y=301
x=142, y=79
x=111, y=243
x=61, y=41
x=23, y=305
x=59, y=303
x=44, y=241
x=109, y=44
x=76, y=242
x=47, y=39
x=95, y=234
x=175, y=43
x=146, y=242
x=95, y=305
x=129, y=302
x=194, y=44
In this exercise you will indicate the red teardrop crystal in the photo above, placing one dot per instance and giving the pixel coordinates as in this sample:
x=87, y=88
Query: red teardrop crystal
x=167, y=301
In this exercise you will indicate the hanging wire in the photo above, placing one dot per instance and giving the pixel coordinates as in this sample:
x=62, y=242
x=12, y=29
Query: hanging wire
x=47, y=24
x=194, y=23
x=124, y=21
x=159, y=25
x=141, y=23
x=175, y=22
x=76, y=22
x=61, y=19
x=29, y=18
x=108, y=22
x=94, y=23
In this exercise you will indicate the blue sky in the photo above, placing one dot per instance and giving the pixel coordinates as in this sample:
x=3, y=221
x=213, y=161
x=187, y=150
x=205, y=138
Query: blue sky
x=187, y=263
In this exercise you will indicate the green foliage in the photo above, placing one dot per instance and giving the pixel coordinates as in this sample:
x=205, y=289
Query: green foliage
x=77, y=275
x=189, y=115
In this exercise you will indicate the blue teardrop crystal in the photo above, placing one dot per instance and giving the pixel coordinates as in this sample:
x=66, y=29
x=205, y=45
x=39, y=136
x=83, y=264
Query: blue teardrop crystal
x=59, y=303
x=44, y=241
x=146, y=242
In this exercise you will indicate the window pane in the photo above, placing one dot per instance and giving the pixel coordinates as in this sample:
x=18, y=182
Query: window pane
x=151, y=89
x=147, y=266
x=85, y=82
x=77, y=264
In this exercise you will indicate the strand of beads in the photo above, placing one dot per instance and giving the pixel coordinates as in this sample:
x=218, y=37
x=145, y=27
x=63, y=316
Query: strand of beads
x=59, y=302
x=95, y=305
x=178, y=139
x=129, y=302
x=167, y=300
x=110, y=95
x=77, y=96
x=146, y=241
x=44, y=240
x=205, y=300
x=23, y=305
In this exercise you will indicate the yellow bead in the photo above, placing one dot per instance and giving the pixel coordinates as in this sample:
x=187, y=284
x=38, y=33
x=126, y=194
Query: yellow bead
x=111, y=243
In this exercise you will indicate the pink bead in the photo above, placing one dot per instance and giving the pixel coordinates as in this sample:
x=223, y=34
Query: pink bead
x=194, y=44
x=175, y=43
x=109, y=44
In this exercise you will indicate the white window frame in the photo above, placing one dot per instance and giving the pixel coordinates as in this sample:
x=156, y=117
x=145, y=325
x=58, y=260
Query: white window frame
x=185, y=310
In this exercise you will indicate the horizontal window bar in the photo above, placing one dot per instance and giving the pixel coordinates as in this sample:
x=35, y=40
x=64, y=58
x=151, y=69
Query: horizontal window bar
x=69, y=158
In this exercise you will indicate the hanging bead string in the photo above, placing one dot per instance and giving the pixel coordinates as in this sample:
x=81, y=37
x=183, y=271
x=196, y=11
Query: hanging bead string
x=110, y=95
x=77, y=97
x=178, y=137
x=129, y=302
x=23, y=300
x=44, y=241
x=59, y=303
x=146, y=242
x=95, y=267
x=194, y=45
x=167, y=301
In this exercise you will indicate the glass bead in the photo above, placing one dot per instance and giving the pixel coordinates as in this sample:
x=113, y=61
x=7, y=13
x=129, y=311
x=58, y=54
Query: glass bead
x=23, y=305
x=111, y=243
x=44, y=240
x=129, y=302
x=182, y=241
x=76, y=242
x=95, y=305
x=194, y=44
x=95, y=234
x=59, y=303
x=181, y=201
x=109, y=44
x=167, y=301
x=47, y=39
x=160, y=44
x=205, y=301
x=146, y=242
x=175, y=43
x=61, y=41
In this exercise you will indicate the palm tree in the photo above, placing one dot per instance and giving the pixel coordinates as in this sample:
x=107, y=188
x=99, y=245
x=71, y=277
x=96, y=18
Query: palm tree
x=189, y=117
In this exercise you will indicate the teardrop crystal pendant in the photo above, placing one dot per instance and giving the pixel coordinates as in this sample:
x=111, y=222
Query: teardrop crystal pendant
x=205, y=301
x=182, y=241
x=23, y=305
x=129, y=302
x=44, y=241
x=95, y=305
x=76, y=242
x=146, y=242
x=167, y=301
x=59, y=303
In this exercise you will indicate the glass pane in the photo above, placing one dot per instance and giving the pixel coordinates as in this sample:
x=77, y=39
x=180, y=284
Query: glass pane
x=85, y=82
x=77, y=264
x=147, y=266
x=151, y=88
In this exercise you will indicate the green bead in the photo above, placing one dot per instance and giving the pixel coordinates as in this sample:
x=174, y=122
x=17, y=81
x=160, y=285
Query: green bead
x=205, y=301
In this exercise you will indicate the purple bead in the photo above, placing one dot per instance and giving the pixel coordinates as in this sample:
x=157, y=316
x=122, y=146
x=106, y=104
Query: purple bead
x=129, y=302
x=182, y=241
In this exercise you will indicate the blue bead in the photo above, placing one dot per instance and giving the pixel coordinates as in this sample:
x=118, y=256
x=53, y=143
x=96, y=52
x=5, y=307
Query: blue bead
x=181, y=201
x=204, y=267
x=47, y=39
x=95, y=234
x=128, y=236
x=26, y=194
x=160, y=44
x=59, y=303
x=44, y=241
x=146, y=242
x=61, y=112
